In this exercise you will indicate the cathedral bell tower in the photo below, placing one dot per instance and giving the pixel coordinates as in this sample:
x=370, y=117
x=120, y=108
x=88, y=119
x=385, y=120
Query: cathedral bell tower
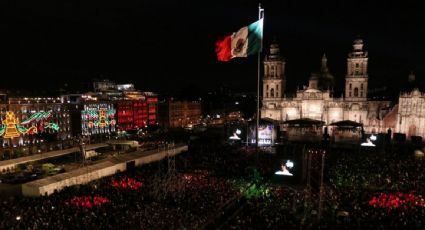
x=274, y=74
x=356, y=79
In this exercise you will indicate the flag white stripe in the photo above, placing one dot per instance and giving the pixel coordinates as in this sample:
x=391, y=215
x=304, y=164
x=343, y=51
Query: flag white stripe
x=240, y=43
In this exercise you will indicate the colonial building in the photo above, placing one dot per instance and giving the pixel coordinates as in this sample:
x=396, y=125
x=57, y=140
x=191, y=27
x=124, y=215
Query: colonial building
x=317, y=101
x=179, y=114
x=28, y=120
x=90, y=115
x=411, y=114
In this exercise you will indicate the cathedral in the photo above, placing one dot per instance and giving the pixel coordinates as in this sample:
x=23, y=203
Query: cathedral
x=317, y=101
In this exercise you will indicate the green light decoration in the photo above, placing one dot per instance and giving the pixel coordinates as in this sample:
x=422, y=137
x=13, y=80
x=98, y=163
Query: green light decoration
x=110, y=112
x=11, y=127
x=250, y=190
x=255, y=191
x=25, y=130
x=93, y=114
x=51, y=125
x=101, y=117
x=2, y=129
x=36, y=117
x=255, y=188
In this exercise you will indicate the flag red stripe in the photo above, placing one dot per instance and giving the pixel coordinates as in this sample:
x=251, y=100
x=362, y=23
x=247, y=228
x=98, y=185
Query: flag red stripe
x=223, y=48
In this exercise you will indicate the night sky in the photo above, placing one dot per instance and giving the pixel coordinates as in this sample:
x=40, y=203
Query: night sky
x=167, y=46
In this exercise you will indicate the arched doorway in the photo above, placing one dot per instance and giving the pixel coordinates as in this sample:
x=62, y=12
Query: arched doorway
x=412, y=130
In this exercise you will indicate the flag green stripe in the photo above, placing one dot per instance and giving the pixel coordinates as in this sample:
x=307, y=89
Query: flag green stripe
x=255, y=37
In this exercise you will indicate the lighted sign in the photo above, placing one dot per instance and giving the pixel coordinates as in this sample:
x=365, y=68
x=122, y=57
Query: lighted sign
x=266, y=134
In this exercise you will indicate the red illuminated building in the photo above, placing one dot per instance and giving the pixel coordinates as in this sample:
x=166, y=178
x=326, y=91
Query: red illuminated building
x=133, y=114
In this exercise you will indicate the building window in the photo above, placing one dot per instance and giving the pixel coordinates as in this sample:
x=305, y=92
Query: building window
x=272, y=92
x=349, y=94
x=277, y=87
x=267, y=87
x=356, y=92
x=361, y=86
x=277, y=94
x=357, y=72
x=267, y=94
x=357, y=65
x=350, y=86
x=361, y=94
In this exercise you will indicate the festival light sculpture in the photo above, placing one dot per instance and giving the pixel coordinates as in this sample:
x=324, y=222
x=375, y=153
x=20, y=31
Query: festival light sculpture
x=100, y=118
x=12, y=128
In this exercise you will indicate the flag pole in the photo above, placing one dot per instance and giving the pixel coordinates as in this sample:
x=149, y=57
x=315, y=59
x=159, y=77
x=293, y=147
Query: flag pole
x=260, y=16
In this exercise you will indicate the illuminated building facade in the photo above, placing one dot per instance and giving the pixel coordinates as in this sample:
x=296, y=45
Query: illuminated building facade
x=411, y=114
x=97, y=118
x=179, y=114
x=89, y=115
x=133, y=109
x=133, y=114
x=26, y=120
x=152, y=103
x=317, y=101
x=126, y=108
x=125, y=115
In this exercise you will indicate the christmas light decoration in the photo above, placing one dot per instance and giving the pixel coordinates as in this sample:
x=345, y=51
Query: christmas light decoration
x=51, y=125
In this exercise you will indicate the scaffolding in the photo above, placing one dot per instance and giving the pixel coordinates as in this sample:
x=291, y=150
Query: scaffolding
x=168, y=183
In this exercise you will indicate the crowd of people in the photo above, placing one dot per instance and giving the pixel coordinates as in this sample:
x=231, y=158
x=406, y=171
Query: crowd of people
x=123, y=201
x=376, y=171
x=358, y=180
x=362, y=190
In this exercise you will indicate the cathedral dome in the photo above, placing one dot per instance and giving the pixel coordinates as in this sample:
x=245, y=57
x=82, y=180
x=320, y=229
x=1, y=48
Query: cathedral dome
x=325, y=80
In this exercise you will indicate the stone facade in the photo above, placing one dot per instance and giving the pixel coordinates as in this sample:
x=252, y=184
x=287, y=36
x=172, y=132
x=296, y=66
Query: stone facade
x=411, y=114
x=179, y=114
x=317, y=101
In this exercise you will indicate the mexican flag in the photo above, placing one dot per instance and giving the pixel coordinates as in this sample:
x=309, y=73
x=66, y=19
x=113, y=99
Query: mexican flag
x=244, y=42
